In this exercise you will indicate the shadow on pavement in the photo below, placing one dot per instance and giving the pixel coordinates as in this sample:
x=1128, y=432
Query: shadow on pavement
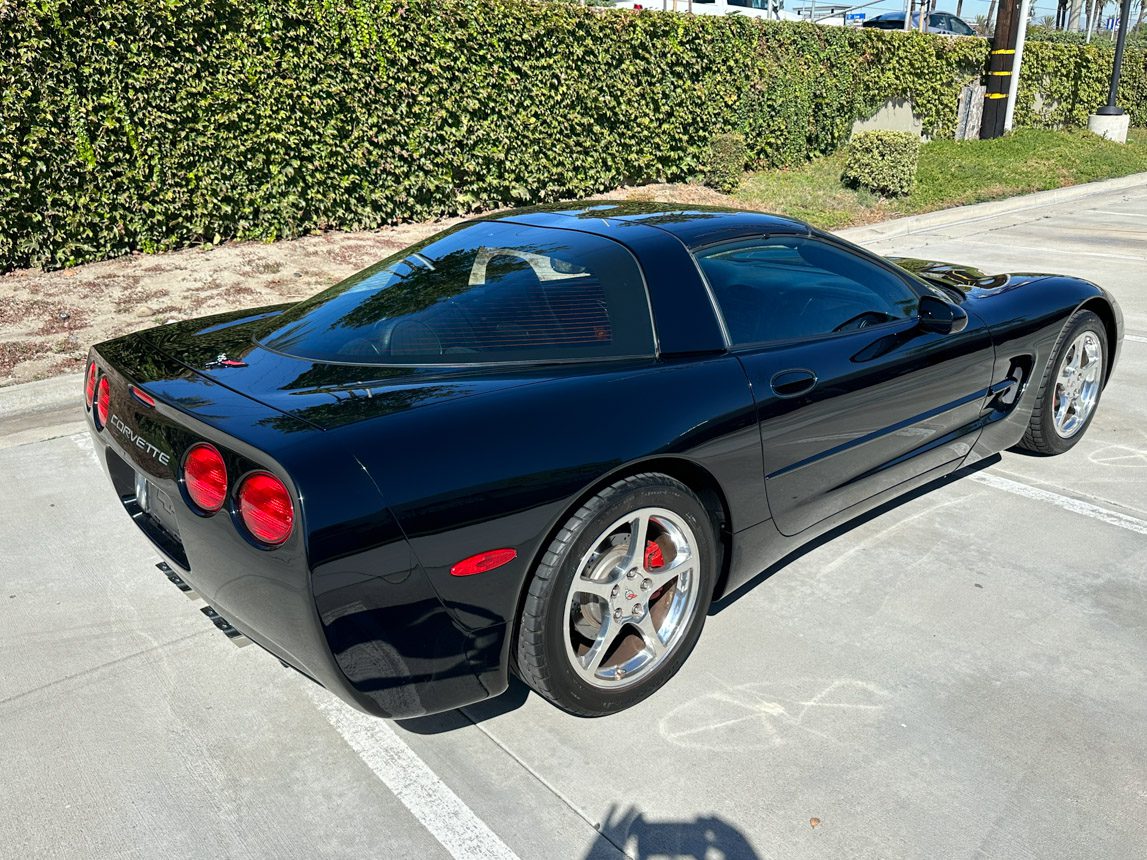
x=832, y=534
x=629, y=832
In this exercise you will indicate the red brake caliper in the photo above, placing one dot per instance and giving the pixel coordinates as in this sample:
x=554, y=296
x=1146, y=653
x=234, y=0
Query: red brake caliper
x=653, y=557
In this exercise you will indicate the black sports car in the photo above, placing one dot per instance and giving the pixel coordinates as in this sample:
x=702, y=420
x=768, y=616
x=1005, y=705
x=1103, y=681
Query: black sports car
x=544, y=441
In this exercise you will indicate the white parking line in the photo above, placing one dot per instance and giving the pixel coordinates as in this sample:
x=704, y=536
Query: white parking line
x=428, y=798
x=1044, y=250
x=1114, y=518
x=1135, y=337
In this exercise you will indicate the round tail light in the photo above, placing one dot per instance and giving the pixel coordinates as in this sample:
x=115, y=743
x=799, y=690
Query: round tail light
x=266, y=508
x=103, y=400
x=90, y=386
x=205, y=477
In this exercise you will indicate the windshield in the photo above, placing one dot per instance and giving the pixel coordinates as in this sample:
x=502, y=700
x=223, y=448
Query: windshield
x=483, y=292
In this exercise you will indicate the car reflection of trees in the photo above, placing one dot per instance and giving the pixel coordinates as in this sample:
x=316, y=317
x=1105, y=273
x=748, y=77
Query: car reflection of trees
x=627, y=208
x=961, y=277
x=198, y=345
x=350, y=406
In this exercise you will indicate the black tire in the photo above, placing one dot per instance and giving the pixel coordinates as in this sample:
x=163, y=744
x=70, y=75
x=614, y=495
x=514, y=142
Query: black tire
x=540, y=650
x=1041, y=436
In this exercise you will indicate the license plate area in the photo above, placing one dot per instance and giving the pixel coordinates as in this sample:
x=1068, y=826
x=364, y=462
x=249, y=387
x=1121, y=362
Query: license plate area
x=157, y=504
x=150, y=506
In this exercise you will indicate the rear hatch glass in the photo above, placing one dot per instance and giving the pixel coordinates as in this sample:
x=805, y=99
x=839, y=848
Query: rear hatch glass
x=485, y=292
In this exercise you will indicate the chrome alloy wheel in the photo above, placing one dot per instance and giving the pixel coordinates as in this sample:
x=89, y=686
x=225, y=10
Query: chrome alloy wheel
x=632, y=598
x=1077, y=386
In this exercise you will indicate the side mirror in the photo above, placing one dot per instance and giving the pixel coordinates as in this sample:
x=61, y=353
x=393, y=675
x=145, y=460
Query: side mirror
x=940, y=316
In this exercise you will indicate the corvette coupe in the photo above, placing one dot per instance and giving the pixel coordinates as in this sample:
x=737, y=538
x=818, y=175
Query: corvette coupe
x=543, y=442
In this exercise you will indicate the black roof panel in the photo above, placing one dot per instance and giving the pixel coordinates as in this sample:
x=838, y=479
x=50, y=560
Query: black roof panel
x=694, y=226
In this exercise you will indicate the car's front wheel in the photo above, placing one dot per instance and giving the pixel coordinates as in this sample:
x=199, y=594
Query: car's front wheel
x=620, y=596
x=1071, y=386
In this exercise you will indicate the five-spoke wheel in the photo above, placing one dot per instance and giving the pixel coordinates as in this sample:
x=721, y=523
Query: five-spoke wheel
x=633, y=596
x=1071, y=386
x=620, y=596
x=1077, y=385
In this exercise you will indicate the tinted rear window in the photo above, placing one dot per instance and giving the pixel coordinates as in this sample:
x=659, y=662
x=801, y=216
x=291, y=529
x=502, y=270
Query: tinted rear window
x=484, y=292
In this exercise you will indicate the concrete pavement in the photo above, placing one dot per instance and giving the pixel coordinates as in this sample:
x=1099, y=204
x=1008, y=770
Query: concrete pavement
x=963, y=675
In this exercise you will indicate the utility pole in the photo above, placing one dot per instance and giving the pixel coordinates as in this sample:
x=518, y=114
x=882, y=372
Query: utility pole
x=1000, y=69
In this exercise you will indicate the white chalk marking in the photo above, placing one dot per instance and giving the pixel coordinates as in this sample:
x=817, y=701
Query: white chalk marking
x=1114, y=518
x=84, y=442
x=427, y=797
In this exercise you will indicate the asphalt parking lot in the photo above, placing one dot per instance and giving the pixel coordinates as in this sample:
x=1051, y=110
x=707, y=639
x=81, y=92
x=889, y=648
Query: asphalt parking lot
x=963, y=675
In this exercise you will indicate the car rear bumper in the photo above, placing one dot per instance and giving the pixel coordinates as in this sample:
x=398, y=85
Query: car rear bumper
x=343, y=601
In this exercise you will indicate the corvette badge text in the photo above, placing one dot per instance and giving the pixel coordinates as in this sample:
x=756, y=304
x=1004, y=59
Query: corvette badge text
x=138, y=440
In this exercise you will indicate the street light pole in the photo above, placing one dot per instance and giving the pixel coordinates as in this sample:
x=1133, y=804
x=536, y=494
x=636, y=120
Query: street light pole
x=1111, y=109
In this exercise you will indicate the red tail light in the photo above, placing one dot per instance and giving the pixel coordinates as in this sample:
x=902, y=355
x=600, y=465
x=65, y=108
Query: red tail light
x=266, y=508
x=103, y=400
x=90, y=386
x=483, y=562
x=205, y=477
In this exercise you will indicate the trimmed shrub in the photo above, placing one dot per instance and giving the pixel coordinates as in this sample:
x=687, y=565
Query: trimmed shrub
x=728, y=156
x=882, y=161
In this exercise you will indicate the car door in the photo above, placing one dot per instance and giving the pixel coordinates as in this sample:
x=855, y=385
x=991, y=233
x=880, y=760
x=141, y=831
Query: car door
x=853, y=394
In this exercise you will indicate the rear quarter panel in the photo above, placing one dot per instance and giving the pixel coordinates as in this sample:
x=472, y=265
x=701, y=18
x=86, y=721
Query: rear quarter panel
x=505, y=469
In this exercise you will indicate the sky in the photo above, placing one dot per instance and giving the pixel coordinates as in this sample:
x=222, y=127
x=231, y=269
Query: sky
x=971, y=8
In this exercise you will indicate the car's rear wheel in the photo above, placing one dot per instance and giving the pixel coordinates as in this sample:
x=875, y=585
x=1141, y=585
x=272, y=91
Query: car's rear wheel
x=1071, y=387
x=619, y=598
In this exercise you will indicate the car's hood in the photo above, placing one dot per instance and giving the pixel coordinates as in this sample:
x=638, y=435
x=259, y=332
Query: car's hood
x=327, y=395
x=968, y=280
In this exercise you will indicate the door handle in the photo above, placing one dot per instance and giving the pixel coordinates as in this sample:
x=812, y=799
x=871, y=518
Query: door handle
x=792, y=383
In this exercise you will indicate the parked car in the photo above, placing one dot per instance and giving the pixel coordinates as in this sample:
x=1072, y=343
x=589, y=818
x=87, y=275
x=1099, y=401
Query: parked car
x=772, y=11
x=943, y=23
x=543, y=442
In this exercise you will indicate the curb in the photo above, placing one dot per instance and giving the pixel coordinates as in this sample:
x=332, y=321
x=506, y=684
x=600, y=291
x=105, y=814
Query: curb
x=979, y=211
x=48, y=395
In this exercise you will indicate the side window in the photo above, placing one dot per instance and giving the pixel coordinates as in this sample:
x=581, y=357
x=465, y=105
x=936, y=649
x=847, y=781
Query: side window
x=788, y=287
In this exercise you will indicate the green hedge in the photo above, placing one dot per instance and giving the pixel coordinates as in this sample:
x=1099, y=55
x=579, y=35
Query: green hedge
x=151, y=124
x=1061, y=84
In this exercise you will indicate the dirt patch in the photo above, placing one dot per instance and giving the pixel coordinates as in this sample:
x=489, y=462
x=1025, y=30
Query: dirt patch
x=15, y=352
x=689, y=194
x=49, y=319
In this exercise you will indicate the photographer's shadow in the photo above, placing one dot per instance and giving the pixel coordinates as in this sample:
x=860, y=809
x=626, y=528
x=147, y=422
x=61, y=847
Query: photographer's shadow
x=629, y=831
